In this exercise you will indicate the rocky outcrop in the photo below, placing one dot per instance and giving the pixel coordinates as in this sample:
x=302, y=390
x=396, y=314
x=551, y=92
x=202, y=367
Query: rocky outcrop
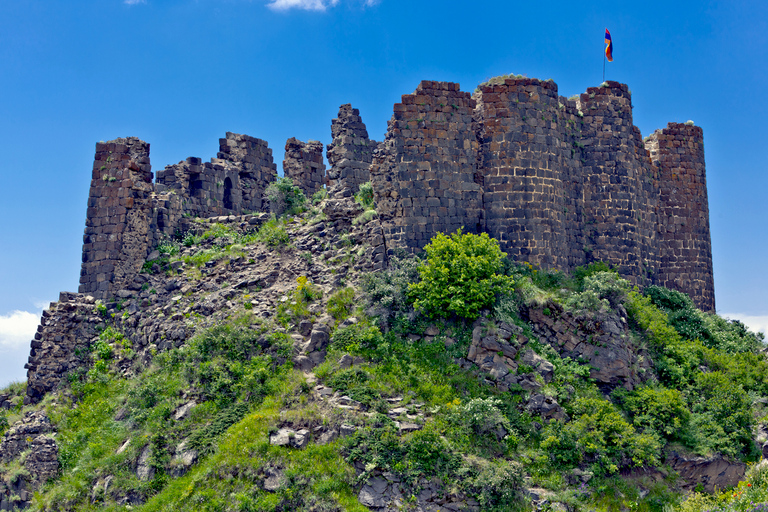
x=502, y=351
x=602, y=342
x=713, y=473
x=32, y=441
x=385, y=492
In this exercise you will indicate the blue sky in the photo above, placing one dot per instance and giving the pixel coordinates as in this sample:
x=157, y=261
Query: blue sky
x=180, y=73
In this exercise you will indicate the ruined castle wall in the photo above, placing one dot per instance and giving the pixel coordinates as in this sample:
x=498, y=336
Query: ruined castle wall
x=351, y=153
x=424, y=176
x=117, y=233
x=620, y=200
x=528, y=164
x=65, y=327
x=303, y=163
x=230, y=184
x=685, y=245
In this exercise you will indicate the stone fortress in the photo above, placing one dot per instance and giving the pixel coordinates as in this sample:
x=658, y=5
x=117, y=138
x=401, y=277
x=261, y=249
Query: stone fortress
x=559, y=182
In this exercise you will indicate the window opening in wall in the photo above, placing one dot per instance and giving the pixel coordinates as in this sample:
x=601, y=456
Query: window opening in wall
x=228, y=194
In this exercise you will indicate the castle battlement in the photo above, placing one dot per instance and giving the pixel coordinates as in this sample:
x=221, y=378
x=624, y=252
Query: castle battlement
x=559, y=182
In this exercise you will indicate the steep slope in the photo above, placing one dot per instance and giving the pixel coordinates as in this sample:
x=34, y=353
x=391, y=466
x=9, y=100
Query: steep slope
x=262, y=364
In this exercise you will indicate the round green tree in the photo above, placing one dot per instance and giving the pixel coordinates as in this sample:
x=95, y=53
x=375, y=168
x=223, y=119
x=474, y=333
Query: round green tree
x=461, y=275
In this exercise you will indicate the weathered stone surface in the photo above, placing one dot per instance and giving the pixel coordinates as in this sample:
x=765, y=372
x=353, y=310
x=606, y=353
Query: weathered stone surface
x=303, y=163
x=23, y=434
x=143, y=468
x=711, y=472
x=350, y=154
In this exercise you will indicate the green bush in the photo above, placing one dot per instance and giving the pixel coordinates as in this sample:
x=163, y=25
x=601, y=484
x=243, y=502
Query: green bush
x=599, y=435
x=497, y=484
x=479, y=423
x=386, y=293
x=365, y=195
x=273, y=233
x=284, y=197
x=340, y=303
x=658, y=410
x=607, y=285
x=460, y=275
x=674, y=359
x=356, y=338
x=722, y=419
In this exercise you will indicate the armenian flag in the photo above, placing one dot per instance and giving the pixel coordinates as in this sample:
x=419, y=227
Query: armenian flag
x=608, y=46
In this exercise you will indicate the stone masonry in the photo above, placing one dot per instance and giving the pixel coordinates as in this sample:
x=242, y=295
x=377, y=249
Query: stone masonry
x=559, y=182
x=116, y=227
x=303, y=163
x=425, y=178
x=351, y=152
x=686, y=255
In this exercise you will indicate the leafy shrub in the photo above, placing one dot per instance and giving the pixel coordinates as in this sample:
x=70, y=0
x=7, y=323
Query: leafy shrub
x=496, y=485
x=356, y=338
x=715, y=332
x=273, y=233
x=3, y=423
x=421, y=454
x=386, y=293
x=460, y=275
x=658, y=410
x=480, y=423
x=340, y=303
x=722, y=420
x=284, y=197
x=586, y=302
x=365, y=195
x=607, y=285
x=169, y=248
x=599, y=435
x=674, y=360
x=602, y=290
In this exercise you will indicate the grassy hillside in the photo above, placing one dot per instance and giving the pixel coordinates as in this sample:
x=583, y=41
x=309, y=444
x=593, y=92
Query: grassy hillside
x=396, y=412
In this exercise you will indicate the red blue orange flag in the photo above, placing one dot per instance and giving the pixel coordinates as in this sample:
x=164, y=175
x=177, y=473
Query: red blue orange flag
x=608, y=46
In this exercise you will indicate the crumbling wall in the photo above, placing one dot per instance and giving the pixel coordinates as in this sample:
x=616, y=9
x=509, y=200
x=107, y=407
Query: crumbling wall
x=117, y=231
x=351, y=153
x=303, y=163
x=424, y=176
x=66, y=330
x=230, y=184
x=685, y=245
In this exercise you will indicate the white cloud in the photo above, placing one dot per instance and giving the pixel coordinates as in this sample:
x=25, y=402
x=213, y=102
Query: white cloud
x=758, y=323
x=17, y=328
x=309, y=5
x=134, y=2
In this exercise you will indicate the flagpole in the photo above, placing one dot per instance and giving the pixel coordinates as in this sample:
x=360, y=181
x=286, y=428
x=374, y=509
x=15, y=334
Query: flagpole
x=604, y=61
x=603, y=66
